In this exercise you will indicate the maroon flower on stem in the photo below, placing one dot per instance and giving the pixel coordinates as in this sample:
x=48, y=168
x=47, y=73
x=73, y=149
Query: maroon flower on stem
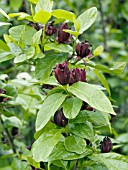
x=62, y=73
x=77, y=75
x=83, y=49
x=14, y=131
x=106, y=145
x=63, y=37
x=60, y=119
x=50, y=29
x=3, y=99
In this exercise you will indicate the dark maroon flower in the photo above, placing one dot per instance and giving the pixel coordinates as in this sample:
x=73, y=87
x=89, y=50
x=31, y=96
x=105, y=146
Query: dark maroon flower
x=28, y=147
x=50, y=29
x=14, y=131
x=83, y=49
x=60, y=119
x=77, y=75
x=62, y=73
x=89, y=108
x=42, y=165
x=34, y=25
x=63, y=37
x=2, y=99
x=106, y=145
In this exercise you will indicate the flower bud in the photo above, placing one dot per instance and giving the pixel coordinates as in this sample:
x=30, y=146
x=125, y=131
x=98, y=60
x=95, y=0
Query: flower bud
x=77, y=75
x=63, y=37
x=106, y=145
x=14, y=131
x=2, y=99
x=60, y=119
x=42, y=165
x=89, y=108
x=82, y=49
x=50, y=29
x=28, y=147
x=62, y=73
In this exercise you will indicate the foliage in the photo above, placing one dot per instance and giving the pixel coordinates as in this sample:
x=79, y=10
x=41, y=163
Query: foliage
x=54, y=110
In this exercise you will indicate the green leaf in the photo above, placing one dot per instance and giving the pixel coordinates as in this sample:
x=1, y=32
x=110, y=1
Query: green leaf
x=45, y=65
x=14, y=5
x=12, y=121
x=15, y=49
x=20, y=58
x=11, y=90
x=33, y=1
x=36, y=39
x=86, y=19
x=22, y=34
x=45, y=5
x=29, y=53
x=97, y=117
x=3, y=46
x=59, y=47
x=21, y=16
x=19, y=164
x=50, y=106
x=116, y=69
x=60, y=153
x=75, y=144
x=4, y=23
x=83, y=130
x=112, y=161
x=92, y=95
x=5, y=56
x=98, y=50
x=42, y=16
x=60, y=13
x=75, y=33
x=71, y=107
x=103, y=80
x=4, y=13
x=44, y=145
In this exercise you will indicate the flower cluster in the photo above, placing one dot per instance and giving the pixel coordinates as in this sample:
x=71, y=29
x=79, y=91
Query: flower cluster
x=65, y=76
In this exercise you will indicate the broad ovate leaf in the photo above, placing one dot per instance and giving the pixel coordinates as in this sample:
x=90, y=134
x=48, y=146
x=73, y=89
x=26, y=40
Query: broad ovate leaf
x=92, y=95
x=49, y=107
x=71, y=107
x=86, y=19
x=44, y=145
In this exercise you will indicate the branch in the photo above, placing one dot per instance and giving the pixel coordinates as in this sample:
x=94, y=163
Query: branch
x=75, y=166
x=103, y=25
x=9, y=136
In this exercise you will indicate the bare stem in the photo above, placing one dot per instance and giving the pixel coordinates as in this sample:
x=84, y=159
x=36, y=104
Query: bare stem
x=103, y=25
x=75, y=166
x=9, y=136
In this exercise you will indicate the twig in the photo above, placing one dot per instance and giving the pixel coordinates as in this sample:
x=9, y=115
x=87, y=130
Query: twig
x=75, y=166
x=103, y=25
x=9, y=136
